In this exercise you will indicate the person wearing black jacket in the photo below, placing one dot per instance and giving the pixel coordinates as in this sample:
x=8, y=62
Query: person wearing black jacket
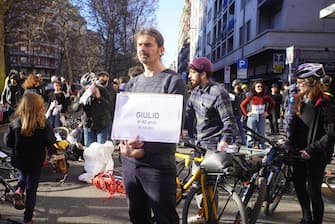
x=29, y=135
x=96, y=104
x=312, y=136
x=238, y=96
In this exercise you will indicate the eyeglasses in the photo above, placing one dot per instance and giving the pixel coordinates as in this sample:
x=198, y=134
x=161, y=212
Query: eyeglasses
x=259, y=86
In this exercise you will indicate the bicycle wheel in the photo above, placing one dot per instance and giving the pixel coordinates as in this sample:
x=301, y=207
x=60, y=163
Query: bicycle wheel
x=227, y=201
x=275, y=191
x=253, y=198
x=330, y=181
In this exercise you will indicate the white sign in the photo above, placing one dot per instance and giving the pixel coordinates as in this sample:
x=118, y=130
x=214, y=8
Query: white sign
x=242, y=68
x=290, y=55
x=151, y=116
x=227, y=74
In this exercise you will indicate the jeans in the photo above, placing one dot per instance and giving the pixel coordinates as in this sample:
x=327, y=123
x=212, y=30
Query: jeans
x=55, y=120
x=256, y=122
x=150, y=188
x=28, y=181
x=91, y=136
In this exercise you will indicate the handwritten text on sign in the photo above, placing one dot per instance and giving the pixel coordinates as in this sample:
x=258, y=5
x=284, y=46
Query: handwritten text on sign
x=153, y=117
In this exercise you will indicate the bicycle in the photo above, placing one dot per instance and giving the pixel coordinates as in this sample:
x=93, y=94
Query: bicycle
x=8, y=174
x=187, y=174
x=212, y=197
x=277, y=171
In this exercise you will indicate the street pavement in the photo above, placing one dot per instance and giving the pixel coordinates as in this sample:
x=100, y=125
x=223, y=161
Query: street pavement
x=78, y=202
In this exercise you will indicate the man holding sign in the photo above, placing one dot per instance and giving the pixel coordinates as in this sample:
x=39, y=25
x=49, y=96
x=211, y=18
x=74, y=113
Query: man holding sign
x=149, y=167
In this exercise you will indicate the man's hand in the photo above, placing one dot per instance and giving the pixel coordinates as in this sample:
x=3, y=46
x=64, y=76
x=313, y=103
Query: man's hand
x=132, y=148
x=222, y=146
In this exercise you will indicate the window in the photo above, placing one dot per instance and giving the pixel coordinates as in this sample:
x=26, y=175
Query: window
x=23, y=60
x=223, y=48
x=248, y=35
x=241, y=35
x=230, y=43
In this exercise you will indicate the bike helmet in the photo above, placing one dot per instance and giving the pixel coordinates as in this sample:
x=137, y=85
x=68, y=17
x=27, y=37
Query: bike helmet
x=327, y=80
x=88, y=79
x=236, y=82
x=307, y=70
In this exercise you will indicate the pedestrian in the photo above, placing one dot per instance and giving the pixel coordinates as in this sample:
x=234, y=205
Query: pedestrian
x=29, y=135
x=275, y=115
x=328, y=82
x=149, y=169
x=11, y=96
x=96, y=104
x=238, y=96
x=33, y=84
x=257, y=106
x=116, y=85
x=210, y=104
x=123, y=81
x=103, y=81
x=312, y=136
x=56, y=106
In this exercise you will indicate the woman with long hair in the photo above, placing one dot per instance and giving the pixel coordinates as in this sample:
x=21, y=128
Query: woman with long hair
x=29, y=135
x=311, y=136
x=257, y=106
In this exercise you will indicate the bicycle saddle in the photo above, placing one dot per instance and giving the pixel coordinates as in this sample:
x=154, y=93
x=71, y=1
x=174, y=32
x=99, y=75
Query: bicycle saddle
x=216, y=161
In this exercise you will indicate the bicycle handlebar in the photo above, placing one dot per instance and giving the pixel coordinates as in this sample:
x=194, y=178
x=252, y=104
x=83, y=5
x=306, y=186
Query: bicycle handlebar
x=198, y=148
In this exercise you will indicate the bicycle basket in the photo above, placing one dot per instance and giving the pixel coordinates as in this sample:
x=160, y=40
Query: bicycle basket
x=216, y=162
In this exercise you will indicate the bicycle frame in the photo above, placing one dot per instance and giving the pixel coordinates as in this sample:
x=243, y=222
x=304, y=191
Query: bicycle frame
x=183, y=187
x=209, y=183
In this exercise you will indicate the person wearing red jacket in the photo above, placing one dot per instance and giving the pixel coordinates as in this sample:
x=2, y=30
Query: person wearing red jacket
x=257, y=106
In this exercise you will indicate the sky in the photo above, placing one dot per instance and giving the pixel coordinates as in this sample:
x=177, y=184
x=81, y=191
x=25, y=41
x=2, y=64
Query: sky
x=168, y=16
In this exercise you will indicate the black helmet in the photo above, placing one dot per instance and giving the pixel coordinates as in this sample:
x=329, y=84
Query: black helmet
x=307, y=70
x=327, y=80
x=88, y=79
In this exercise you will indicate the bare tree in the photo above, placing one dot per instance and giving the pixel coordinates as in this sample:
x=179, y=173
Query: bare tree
x=116, y=21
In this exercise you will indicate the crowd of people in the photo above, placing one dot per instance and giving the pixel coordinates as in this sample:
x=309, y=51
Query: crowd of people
x=214, y=117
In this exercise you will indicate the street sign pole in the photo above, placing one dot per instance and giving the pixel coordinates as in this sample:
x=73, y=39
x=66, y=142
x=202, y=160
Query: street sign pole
x=289, y=61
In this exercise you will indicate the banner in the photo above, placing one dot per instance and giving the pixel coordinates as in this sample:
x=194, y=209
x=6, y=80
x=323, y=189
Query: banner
x=153, y=117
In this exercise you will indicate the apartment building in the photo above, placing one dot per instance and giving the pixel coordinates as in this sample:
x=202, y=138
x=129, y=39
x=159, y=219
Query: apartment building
x=184, y=41
x=34, y=58
x=258, y=32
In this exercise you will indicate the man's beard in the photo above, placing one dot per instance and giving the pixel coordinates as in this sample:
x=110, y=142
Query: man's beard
x=194, y=83
x=103, y=82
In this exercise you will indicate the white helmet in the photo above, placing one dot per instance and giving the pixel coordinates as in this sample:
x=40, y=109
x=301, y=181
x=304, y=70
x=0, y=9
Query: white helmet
x=88, y=79
x=307, y=70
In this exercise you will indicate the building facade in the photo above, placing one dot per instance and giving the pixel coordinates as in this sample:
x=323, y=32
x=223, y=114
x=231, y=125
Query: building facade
x=33, y=58
x=257, y=33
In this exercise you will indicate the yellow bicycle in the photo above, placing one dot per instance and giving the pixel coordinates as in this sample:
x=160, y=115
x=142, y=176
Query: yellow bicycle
x=211, y=197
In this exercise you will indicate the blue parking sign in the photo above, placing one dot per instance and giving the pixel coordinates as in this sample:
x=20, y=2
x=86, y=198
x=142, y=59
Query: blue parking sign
x=242, y=68
x=242, y=64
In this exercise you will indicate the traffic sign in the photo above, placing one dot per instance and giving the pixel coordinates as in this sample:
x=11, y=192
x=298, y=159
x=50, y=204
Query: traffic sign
x=242, y=64
x=242, y=68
